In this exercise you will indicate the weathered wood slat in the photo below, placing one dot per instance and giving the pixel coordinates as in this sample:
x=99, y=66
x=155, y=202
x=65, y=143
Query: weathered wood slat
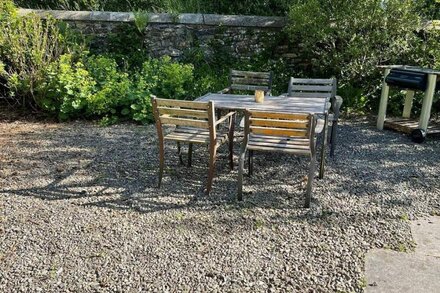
x=183, y=112
x=407, y=125
x=312, y=88
x=279, y=149
x=283, y=142
x=328, y=81
x=202, y=140
x=280, y=146
x=278, y=131
x=239, y=73
x=250, y=81
x=311, y=95
x=288, y=116
x=271, y=103
x=279, y=139
x=183, y=104
x=184, y=122
x=279, y=123
x=192, y=130
x=248, y=87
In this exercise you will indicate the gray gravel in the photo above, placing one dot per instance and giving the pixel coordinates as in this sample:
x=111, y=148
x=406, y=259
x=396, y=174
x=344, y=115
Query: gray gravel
x=79, y=212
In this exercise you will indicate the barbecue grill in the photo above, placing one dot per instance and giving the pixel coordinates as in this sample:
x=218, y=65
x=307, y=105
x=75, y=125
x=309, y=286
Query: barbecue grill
x=411, y=79
x=408, y=79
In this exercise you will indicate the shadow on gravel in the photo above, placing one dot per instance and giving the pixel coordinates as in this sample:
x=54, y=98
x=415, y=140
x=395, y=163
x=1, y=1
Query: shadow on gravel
x=116, y=167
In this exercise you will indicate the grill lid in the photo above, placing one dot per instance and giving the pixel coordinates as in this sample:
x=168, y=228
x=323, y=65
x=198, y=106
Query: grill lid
x=407, y=79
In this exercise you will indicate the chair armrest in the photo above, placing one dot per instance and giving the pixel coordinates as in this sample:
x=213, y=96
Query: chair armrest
x=283, y=95
x=269, y=93
x=223, y=118
x=336, y=106
x=224, y=91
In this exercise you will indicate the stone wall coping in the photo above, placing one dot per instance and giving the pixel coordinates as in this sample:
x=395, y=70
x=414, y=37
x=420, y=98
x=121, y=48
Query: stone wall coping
x=183, y=18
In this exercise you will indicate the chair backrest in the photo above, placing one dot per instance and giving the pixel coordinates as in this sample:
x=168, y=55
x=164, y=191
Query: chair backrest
x=183, y=113
x=250, y=80
x=299, y=125
x=312, y=88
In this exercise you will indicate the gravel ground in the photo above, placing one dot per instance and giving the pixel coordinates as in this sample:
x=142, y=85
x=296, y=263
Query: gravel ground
x=79, y=212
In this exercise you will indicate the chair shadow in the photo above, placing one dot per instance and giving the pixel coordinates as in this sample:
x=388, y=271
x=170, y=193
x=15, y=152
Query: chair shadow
x=116, y=168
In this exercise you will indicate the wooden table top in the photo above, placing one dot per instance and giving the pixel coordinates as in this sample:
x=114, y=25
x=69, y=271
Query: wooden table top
x=271, y=103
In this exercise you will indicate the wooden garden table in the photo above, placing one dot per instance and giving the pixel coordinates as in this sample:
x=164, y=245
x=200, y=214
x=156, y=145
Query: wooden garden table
x=317, y=106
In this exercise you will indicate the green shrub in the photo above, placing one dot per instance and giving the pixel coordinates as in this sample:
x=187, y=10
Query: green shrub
x=28, y=46
x=169, y=79
x=68, y=87
x=348, y=39
x=255, y=7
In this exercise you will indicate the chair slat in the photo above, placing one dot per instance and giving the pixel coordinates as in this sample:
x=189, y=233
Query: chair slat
x=183, y=112
x=279, y=123
x=182, y=104
x=310, y=95
x=328, y=81
x=312, y=88
x=249, y=87
x=279, y=149
x=300, y=142
x=184, y=122
x=250, y=81
x=246, y=74
x=274, y=115
x=278, y=131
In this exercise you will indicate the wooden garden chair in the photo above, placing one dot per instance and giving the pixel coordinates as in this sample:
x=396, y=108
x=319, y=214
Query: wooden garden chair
x=279, y=132
x=193, y=123
x=248, y=81
x=320, y=88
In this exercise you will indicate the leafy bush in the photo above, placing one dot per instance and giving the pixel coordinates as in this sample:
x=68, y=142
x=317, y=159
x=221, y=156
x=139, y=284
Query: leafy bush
x=68, y=88
x=169, y=79
x=28, y=46
x=348, y=39
x=254, y=7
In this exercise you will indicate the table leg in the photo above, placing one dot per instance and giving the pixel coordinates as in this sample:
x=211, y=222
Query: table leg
x=427, y=102
x=408, y=104
x=383, y=102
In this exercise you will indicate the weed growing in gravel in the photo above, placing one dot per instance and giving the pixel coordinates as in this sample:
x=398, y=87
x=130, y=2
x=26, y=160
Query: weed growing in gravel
x=180, y=216
x=404, y=217
x=363, y=282
x=259, y=223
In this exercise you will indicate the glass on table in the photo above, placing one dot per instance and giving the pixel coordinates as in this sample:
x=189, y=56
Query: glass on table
x=259, y=96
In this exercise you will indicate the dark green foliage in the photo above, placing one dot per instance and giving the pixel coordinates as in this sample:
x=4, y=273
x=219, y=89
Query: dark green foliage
x=246, y=7
x=94, y=86
x=28, y=46
x=348, y=39
x=44, y=65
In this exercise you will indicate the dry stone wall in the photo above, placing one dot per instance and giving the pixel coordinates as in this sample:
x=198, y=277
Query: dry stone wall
x=168, y=34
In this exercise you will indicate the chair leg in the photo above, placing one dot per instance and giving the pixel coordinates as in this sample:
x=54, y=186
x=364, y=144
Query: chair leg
x=179, y=152
x=211, y=172
x=310, y=181
x=322, y=162
x=323, y=148
x=240, y=172
x=190, y=149
x=161, y=162
x=334, y=137
x=251, y=162
x=231, y=142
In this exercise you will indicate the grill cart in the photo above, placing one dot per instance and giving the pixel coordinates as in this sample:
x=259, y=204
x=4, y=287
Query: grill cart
x=412, y=79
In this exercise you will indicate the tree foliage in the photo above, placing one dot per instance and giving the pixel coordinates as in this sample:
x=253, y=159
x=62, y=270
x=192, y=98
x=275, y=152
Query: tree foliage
x=247, y=7
x=348, y=39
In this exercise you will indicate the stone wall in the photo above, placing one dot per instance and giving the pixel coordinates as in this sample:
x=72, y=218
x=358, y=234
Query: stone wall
x=168, y=34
